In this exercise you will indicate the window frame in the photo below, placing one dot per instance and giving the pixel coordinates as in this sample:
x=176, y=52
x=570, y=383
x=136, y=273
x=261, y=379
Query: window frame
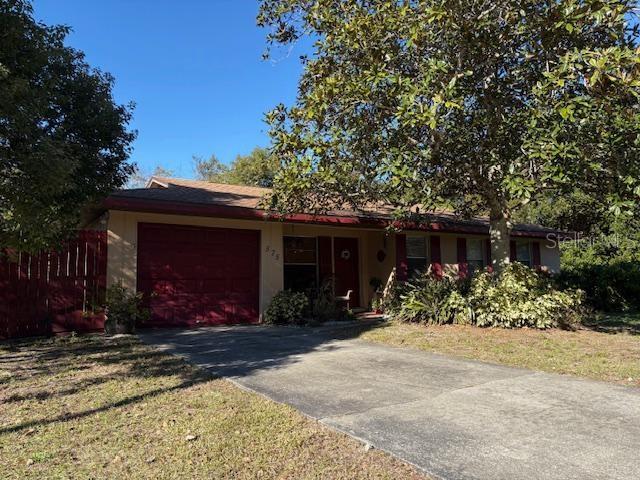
x=284, y=254
x=427, y=258
x=529, y=261
x=477, y=264
x=315, y=264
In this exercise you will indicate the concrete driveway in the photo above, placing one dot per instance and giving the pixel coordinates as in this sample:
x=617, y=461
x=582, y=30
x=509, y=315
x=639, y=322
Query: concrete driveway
x=454, y=419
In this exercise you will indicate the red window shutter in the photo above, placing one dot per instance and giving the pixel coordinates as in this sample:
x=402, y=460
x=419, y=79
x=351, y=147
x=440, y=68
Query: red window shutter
x=535, y=249
x=463, y=268
x=488, y=250
x=436, y=255
x=402, y=267
x=324, y=259
x=512, y=247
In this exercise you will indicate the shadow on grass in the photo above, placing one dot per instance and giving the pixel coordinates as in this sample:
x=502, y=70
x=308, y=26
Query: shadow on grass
x=85, y=413
x=48, y=369
x=628, y=322
x=44, y=370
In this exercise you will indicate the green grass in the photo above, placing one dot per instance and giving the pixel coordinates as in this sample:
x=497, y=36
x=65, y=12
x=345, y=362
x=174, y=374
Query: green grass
x=613, y=356
x=93, y=407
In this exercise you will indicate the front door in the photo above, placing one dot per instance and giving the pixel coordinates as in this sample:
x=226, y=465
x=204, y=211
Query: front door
x=345, y=254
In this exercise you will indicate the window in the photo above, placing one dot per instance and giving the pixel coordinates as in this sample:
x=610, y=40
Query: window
x=523, y=253
x=475, y=254
x=300, y=263
x=416, y=255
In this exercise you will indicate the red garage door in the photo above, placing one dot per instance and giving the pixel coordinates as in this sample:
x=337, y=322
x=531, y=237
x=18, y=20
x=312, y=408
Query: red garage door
x=198, y=276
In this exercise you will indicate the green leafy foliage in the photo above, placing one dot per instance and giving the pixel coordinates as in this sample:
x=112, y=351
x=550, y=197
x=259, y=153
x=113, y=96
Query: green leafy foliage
x=124, y=310
x=323, y=303
x=478, y=106
x=516, y=297
x=256, y=169
x=572, y=211
x=286, y=308
x=521, y=297
x=606, y=267
x=64, y=142
x=432, y=301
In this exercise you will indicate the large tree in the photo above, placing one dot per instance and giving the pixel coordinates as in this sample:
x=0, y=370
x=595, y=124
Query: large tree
x=258, y=168
x=64, y=142
x=478, y=105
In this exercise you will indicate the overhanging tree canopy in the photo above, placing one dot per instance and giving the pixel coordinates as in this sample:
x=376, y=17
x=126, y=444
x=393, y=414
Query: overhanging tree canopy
x=64, y=142
x=475, y=105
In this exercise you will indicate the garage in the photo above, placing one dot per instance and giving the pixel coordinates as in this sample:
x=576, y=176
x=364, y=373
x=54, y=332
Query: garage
x=194, y=276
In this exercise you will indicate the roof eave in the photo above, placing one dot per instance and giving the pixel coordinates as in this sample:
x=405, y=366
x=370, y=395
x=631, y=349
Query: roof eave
x=243, y=213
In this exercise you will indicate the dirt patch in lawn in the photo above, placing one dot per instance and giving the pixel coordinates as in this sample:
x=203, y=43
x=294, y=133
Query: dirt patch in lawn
x=94, y=407
x=588, y=353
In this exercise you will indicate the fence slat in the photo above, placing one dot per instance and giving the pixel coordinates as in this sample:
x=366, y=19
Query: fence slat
x=54, y=292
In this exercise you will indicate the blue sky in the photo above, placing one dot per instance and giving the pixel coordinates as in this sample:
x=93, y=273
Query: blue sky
x=193, y=68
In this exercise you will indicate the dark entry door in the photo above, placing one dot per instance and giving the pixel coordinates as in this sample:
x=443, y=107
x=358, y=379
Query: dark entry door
x=346, y=258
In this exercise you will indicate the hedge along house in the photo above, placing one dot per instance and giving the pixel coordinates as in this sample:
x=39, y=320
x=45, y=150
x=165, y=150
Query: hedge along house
x=205, y=253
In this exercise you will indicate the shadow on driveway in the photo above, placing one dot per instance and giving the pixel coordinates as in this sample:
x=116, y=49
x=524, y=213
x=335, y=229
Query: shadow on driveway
x=238, y=350
x=453, y=418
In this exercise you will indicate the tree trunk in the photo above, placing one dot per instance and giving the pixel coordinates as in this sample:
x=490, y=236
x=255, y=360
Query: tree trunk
x=499, y=234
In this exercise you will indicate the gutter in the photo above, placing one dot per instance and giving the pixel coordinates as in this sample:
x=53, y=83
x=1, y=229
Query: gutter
x=243, y=213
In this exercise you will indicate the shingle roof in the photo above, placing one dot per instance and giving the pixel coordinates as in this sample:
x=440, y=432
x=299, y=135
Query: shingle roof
x=165, y=190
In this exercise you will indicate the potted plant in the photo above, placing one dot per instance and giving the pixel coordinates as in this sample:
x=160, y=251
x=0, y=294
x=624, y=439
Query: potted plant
x=376, y=301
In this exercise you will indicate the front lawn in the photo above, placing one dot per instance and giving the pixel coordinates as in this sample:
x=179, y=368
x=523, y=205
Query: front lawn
x=612, y=356
x=94, y=407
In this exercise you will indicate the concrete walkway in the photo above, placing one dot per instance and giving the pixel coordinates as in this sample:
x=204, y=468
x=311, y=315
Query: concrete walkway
x=455, y=419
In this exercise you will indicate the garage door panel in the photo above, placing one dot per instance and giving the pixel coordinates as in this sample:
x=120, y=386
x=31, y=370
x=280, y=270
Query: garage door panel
x=214, y=284
x=198, y=275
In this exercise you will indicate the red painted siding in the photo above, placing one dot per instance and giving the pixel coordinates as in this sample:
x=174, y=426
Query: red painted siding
x=463, y=267
x=325, y=269
x=488, y=253
x=402, y=267
x=535, y=248
x=436, y=255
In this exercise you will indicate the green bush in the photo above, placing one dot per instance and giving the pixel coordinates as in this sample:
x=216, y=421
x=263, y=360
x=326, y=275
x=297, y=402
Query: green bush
x=521, y=297
x=518, y=297
x=323, y=304
x=427, y=299
x=124, y=310
x=286, y=307
x=608, y=272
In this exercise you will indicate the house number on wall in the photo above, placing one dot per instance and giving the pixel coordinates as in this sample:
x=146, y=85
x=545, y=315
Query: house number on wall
x=272, y=252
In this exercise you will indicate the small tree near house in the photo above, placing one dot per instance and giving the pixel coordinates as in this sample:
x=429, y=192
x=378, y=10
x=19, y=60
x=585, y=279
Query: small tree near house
x=475, y=105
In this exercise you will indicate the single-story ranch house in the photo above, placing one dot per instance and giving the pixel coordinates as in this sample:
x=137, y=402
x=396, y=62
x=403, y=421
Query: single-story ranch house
x=206, y=253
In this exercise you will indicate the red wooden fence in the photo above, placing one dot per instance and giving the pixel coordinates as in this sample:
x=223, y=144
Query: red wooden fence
x=54, y=292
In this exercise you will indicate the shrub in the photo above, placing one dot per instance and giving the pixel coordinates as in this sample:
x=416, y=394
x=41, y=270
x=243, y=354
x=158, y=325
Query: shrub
x=521, y=297
x=323, y=303
x=392, y=299
x=427, y=299
x=123, y=310
x=518, y=297
x=286, y=307
x=606, y=266
x=609, y=275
